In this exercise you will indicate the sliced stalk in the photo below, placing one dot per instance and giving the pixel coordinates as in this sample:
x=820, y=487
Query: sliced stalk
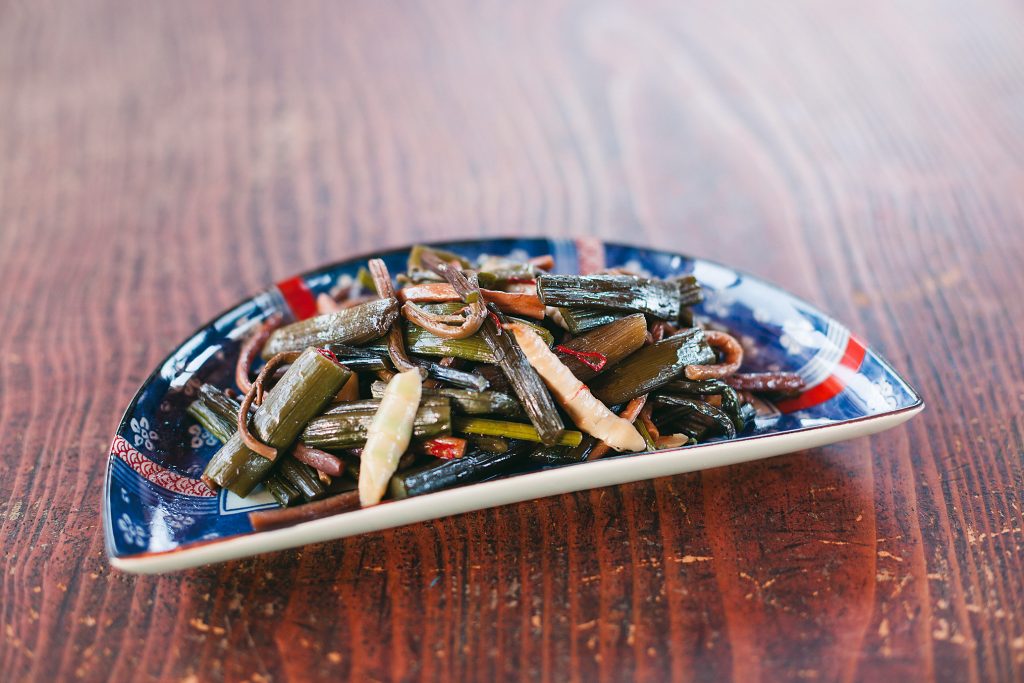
x=579, y=320
x=490, y=444
x=282, y=490
x=347, y=425
x=589, y=414
x=526, y=383
x=652, y=367
x=458, y=378
x=474, y=348
x=211, y=421
x=415, y=261
x=660, y=298
x=356, y=325
x=614, y=341
x=468, y=402
x=302, y=392
x=510, y=430
x=703, y=408
x=447, y=474
x=302, y=477
x=502, y=274
x=706, y=387
x=372, y=359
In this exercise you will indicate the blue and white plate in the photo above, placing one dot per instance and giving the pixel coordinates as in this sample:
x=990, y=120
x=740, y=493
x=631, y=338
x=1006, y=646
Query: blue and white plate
x=160, y=517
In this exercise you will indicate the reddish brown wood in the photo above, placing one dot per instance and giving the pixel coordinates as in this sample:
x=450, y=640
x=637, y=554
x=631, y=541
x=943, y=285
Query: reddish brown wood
x=161, y=160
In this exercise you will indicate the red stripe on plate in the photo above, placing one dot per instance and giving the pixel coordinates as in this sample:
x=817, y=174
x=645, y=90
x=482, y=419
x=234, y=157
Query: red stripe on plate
x=298, y=297
x=848, y=365
x=154, y=473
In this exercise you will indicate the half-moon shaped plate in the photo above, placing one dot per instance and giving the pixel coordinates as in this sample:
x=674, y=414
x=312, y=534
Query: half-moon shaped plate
x=160, y=517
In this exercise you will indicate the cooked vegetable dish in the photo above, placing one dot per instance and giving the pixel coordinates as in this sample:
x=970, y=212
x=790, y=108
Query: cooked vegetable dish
x=469, y=371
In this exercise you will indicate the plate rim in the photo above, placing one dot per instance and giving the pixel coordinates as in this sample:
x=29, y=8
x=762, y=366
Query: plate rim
x=193, y=553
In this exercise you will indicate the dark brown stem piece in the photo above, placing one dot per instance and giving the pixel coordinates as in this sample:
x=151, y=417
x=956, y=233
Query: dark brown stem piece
x=661, y=329
x=255, y=393
x=732, y=357
x=645, y=417
x=396, y=346
x=447, y=326
x=264, y=520
x=774, y=382
x=319, y=460
x=251, y=349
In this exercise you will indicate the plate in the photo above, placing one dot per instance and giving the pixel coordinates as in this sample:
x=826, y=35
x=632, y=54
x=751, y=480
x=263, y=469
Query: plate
x=160, y=517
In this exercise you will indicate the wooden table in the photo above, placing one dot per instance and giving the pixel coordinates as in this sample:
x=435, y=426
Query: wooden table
x=160, y=161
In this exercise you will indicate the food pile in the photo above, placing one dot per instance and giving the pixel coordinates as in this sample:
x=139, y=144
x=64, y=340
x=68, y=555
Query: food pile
x=465, y=372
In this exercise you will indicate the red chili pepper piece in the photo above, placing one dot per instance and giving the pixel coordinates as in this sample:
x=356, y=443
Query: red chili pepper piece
x=445, y=447
x=521, y=280
x=592, y=359
x=328, y=354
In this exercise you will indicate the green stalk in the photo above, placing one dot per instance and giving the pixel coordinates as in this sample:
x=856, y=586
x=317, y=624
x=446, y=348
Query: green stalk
x=211, y=421
x=551, y=455
x=302, y=392
x=346, y=425
x=424, y=343
x=302, y=477
x=498, y=277
x=282, y=490
x=466, y=380
x=582, y=451
x=731, y=403
x=359, y=360
x=533, y=394
x=707, y=387
x=703, y=408
x=415, y=261
x=690, y=292
x=490, y=444
x=356, y=325
x=446, y=474
x=219, y=402
x=652, y=367
x=732, y=406
x=511, y=430
x=648, y=439
x=468, y=402
x=472, y=348
x=660, y=298
x=580, y=320
x=372, y=359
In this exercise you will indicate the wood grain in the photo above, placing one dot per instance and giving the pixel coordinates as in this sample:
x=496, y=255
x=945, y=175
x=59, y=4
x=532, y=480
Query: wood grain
x=160, y=161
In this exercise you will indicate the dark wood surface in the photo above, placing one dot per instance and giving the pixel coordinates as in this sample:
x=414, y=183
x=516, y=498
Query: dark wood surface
x=160, y=161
